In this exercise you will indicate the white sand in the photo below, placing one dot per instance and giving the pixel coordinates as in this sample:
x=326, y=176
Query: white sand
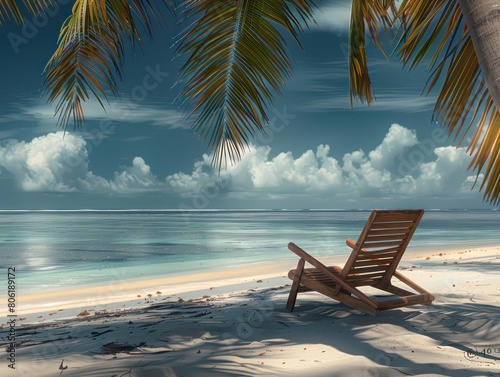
x=249, y=333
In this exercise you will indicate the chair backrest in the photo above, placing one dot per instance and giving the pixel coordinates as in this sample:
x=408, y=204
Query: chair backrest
x=380, y=246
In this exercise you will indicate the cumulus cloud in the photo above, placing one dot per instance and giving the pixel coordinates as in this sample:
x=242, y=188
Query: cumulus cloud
x=439, y=172
x=447, y=174
x=188, y=184
x=59, y=163
x=394, y=144
x=135, y=177
x=257, y=173
x=54, y=163
x=43, y=164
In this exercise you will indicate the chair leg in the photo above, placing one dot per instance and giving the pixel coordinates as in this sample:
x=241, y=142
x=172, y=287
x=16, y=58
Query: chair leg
x=292, y=297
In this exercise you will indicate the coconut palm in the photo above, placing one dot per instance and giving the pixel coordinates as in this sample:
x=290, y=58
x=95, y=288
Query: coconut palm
x=227, y=86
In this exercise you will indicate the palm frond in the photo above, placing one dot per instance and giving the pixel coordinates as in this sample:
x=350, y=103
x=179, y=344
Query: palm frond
x=436, y=29
x=85, y=66
x=486, y=144
x=374, y=15
x=10, y=9
x=427, y=27
x=237, y=61
x=88, y=60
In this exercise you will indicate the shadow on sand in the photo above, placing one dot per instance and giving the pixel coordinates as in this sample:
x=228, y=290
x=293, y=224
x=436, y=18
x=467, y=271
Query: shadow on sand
x=252, y=334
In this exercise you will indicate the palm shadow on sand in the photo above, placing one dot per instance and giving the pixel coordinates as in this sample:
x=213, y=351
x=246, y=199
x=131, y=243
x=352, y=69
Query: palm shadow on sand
x=254, y=335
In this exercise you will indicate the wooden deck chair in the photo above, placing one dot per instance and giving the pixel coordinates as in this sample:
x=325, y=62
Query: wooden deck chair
x=373, y=262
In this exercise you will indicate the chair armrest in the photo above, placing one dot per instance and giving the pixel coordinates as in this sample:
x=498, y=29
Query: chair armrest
x=349, y=242
x=307, y=257
x=321, y=267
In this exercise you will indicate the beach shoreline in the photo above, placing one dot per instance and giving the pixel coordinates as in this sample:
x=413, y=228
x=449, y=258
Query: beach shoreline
x=137, y=292
x=241, y=328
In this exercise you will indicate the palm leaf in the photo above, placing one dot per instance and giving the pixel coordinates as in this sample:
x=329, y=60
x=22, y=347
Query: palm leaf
x=371, y=14
x=84, y=65
x=437, y=29
x=10, y=9
x=88, y=60
x=237, y=61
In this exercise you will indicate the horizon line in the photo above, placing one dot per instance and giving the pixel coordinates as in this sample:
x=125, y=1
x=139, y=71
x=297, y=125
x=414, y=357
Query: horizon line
x=233, y=209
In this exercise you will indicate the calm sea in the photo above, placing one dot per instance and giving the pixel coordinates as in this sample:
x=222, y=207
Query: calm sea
x=56, y=249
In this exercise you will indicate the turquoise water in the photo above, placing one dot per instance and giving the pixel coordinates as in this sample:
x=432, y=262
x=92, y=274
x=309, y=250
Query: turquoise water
x=55, y=249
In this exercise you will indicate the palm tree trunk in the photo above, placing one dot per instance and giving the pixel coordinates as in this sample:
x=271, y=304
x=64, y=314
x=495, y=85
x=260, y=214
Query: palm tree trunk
x=483, y=21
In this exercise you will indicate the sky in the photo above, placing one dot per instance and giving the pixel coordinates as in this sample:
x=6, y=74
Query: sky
x=317, y=153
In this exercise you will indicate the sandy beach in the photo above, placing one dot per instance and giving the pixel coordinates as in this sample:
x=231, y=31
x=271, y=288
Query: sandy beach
x=234, y=323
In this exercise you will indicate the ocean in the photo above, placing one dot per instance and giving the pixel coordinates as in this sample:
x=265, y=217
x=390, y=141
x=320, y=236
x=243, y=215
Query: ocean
x=54, y=249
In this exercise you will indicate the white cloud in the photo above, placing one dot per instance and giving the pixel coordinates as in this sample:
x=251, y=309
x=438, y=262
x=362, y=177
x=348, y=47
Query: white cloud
x=396, y=168
x=411, y=102
x=44, y=163
x=442, y=172
x=446, y=175
x=188, y=184
x=320, y=77
x=120, y=110
x=335, y=17
x=312, y=171
x=324, y=86
x=137, y=176
x=57, y=163
x=395, y=142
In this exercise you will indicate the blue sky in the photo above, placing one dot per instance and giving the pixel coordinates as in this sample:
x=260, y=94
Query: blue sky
x=317, y=153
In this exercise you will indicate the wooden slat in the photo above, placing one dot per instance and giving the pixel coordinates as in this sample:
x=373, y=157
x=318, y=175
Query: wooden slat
x=316, y=272
x=396, y=224
x=370, y=245
x=362, y=282
x=363, y=270
x=374, y=262
x=397, y=302
x=361, y=276
x=392, y=224
x=366, y=265
x=312, y=276
x=392, y=237
x=390, y=227
x=378, y=254
x=365, y=276
x=376, y=232
x=396, y=216
x=360, y=301
x=323, y=278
